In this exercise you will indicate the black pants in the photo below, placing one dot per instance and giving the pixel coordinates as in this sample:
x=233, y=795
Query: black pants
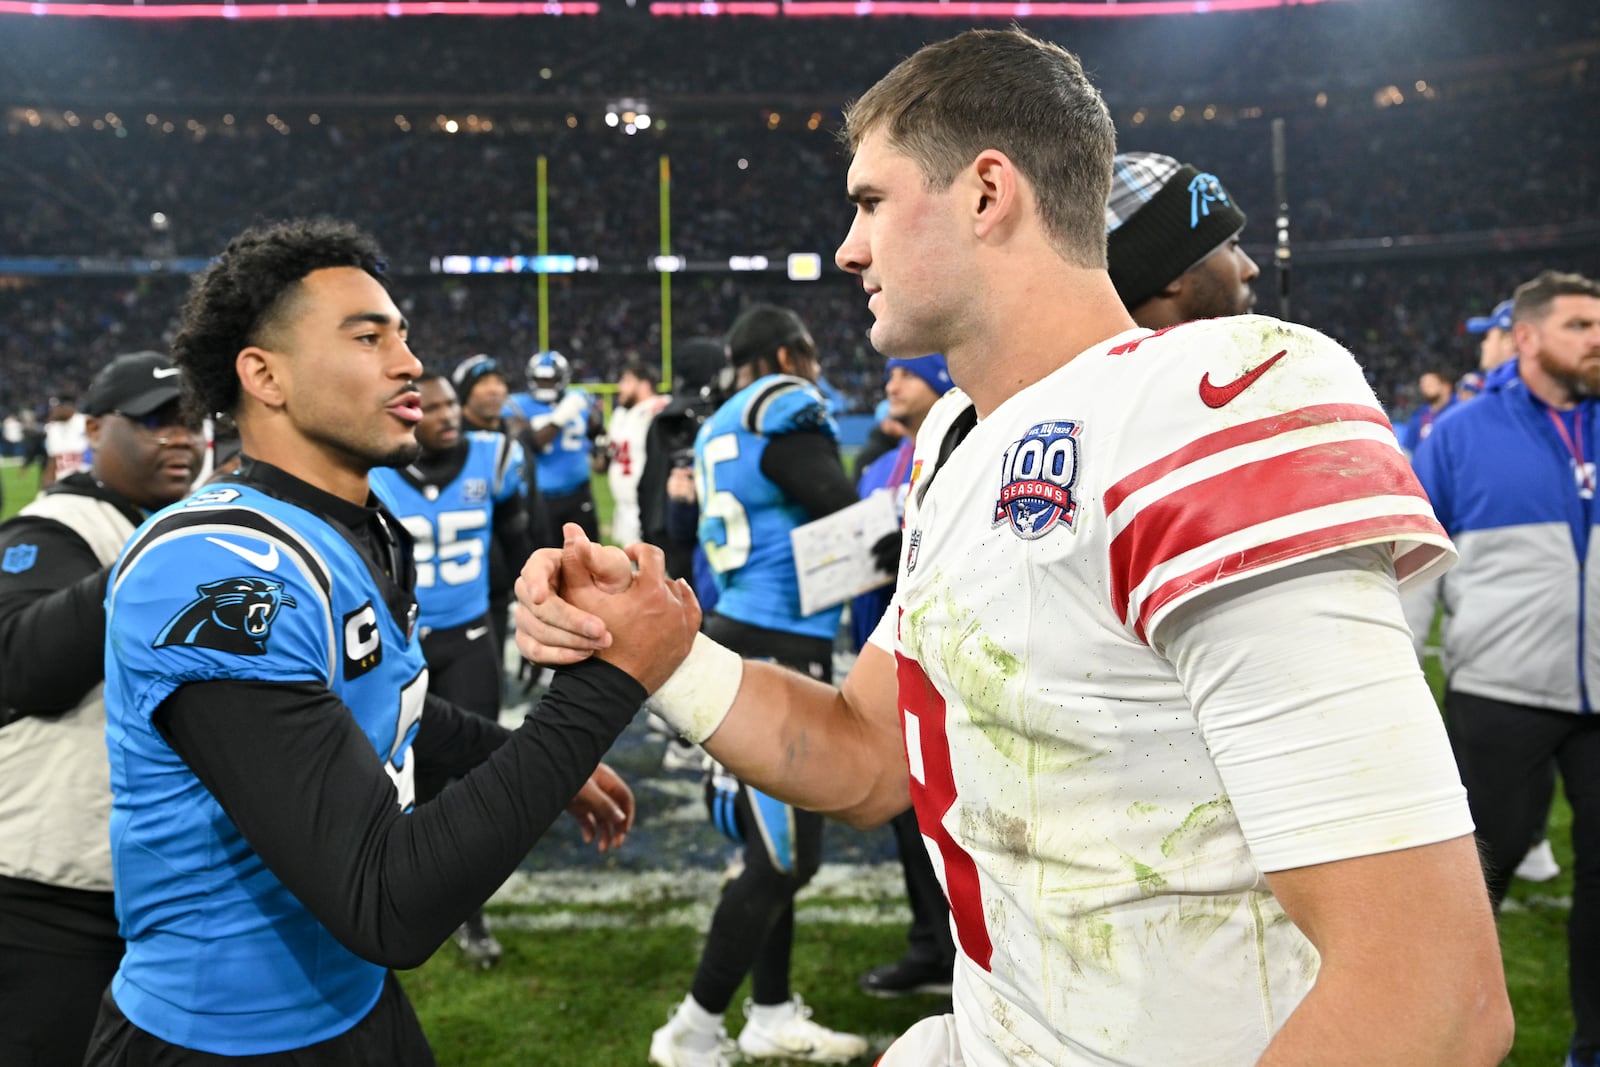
x=929, y=939
x=389, y=1036
x=464, y=666
x=48, y=1002
x=575, y=507
x=1504, y=753
x=752, y=930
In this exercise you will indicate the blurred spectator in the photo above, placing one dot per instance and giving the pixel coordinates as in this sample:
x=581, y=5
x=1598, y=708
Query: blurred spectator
x=1497, y=345
x=1513, y=483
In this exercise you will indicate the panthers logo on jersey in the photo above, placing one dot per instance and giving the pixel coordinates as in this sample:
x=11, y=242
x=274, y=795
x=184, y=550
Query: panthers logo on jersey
x=1038, y=474
x=231, y=615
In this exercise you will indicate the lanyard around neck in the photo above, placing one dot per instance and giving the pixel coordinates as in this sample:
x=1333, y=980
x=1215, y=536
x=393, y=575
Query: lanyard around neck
x=1574, y=443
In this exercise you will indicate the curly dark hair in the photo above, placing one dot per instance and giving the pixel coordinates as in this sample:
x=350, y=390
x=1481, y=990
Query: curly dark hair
x=234, y=303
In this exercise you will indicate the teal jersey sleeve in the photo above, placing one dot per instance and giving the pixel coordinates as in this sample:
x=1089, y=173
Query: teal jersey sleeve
x=786, y=404
x=208, y=594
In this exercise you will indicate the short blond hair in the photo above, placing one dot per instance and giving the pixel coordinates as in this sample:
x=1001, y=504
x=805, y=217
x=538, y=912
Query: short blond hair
x=1005, y=90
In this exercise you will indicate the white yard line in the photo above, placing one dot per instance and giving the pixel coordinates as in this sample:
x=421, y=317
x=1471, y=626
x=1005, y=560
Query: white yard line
x=870, y=886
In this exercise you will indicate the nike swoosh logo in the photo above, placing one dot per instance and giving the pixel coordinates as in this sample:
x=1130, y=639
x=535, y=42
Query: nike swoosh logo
x=1216, y=396
x=169, y=372
x=267, y=560
x=476, y=632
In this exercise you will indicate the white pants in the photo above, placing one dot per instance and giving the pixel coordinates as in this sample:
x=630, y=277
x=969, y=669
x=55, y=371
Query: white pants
x=625, y=528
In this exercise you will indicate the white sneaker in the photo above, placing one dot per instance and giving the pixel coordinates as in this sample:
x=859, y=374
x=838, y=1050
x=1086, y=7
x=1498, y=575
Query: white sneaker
x=678, y=1044
x=477, y=944
x=793, y=1036
x=1539, y=865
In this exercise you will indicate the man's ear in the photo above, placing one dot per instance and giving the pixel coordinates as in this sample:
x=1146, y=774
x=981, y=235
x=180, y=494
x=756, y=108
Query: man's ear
x=91, y=429
x=996, y=190
x=259, y=371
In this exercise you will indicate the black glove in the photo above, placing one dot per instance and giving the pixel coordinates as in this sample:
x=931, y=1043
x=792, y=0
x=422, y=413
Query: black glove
x=886, y=553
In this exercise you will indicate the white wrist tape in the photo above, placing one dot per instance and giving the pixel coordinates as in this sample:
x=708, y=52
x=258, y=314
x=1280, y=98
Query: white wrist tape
x=701, y=691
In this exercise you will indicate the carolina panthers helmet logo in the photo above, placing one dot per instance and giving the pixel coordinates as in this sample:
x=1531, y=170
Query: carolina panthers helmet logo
x=233, y=615
x=1037, y=476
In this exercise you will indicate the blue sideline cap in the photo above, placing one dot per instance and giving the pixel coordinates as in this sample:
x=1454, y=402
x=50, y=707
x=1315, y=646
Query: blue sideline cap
x=1498, y=319
x=930, y=369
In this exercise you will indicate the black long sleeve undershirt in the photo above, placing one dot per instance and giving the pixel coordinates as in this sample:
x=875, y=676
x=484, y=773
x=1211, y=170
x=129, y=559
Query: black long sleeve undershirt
x=300, y=780
x=52, y=622
x=806, y=467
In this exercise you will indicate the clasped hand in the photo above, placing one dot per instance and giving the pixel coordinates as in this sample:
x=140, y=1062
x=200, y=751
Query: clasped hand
x=587, y=599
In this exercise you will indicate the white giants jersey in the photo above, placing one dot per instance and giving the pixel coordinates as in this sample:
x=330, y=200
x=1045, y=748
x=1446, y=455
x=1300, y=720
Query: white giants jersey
x=1108, y=907
x=66, y=443
x=626, y=433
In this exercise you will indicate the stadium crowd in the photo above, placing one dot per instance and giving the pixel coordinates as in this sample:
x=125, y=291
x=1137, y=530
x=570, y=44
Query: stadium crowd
x=1226, y=57
x=1399, y=318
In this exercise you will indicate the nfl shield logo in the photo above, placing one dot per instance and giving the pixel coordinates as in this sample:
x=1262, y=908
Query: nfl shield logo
x=1037, y=477
x=19, y=558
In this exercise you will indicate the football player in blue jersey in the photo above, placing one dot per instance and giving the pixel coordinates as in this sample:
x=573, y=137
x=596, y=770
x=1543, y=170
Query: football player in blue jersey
x=456, y=498
x=765, y=462
x=267, y=704
x=482, y=390
x=561, y=423
x=459, y=492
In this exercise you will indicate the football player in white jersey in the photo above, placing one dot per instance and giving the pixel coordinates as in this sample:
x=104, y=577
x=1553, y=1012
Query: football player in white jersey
x=637, y=403
x=1185, y=785
x=66, y=442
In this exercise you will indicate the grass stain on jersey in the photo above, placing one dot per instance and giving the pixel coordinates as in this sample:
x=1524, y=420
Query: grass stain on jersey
x=1201, y=917
x=1205, y=821
x=1000, y=831
x=1090, y=940
x=1150, y=880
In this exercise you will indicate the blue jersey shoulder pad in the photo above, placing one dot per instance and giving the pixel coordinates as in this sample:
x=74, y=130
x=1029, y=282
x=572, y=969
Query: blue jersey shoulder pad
x=218, y=591
x=782, y=404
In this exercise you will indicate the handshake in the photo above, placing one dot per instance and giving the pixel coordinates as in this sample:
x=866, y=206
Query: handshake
x=584, y=599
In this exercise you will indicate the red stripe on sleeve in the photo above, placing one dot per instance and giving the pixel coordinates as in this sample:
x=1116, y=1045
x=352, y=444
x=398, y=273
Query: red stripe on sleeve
x=1242, y=434
x=1389, y=527
x=1334, y=472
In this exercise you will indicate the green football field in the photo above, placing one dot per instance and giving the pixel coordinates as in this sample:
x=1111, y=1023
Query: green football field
x=598, y=950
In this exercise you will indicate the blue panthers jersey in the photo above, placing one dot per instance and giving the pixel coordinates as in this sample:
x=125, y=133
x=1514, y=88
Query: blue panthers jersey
x=563, y=464
x=745, y=519
x=235, y=584
x=452, y=524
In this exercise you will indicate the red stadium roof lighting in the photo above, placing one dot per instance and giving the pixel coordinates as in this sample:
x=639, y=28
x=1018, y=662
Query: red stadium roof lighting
x=351, y=9
x=974, y=9
x=971, y=9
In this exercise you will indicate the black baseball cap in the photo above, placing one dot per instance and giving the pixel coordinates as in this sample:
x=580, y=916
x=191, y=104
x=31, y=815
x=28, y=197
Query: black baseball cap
x=135, y=384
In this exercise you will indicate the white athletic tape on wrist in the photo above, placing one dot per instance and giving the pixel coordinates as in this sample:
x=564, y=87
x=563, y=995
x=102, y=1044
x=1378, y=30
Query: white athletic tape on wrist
x=701, y=691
